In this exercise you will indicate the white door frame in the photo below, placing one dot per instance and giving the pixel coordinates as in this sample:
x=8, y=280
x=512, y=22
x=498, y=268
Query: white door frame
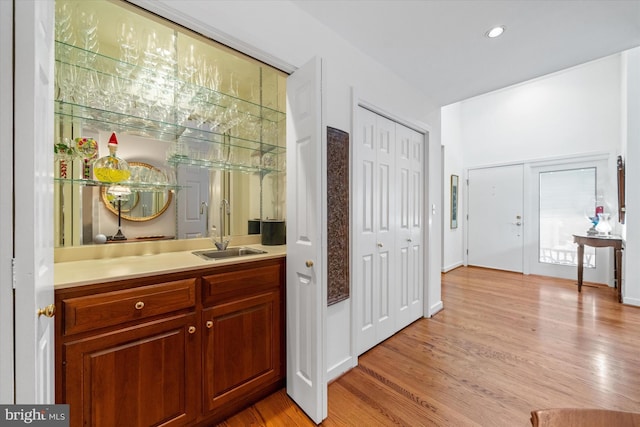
x=6, y=204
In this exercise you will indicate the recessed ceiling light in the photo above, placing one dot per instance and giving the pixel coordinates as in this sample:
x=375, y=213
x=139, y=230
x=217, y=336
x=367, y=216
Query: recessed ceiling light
x=495, y=32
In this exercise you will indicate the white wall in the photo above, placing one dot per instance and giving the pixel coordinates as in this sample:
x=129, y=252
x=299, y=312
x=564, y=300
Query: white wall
x=451, y=127
x=281, y=34
x=631, y=150
x=572, y=112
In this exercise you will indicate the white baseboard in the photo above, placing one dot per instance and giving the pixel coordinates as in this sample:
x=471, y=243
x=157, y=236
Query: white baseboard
x=452, y=266
x=435, y=308
x=631, y=301
x=341, y=367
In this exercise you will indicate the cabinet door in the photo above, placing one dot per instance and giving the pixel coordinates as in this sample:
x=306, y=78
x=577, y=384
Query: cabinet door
x=242, y=348
x=139, y=376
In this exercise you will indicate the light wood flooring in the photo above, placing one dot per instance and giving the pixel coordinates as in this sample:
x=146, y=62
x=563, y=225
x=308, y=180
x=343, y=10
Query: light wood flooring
x=504, y=345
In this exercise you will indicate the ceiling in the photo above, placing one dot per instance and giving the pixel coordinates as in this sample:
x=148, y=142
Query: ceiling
x=440, y=46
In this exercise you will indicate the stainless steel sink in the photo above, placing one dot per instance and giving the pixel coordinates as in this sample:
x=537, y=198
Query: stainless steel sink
x=210, y=254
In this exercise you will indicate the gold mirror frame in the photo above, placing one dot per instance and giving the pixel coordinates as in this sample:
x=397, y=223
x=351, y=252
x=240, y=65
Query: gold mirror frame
x=124, y=214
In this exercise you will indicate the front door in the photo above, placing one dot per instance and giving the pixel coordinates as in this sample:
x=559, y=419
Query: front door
x=495, y=218
x=306, y=241
x=33, y=195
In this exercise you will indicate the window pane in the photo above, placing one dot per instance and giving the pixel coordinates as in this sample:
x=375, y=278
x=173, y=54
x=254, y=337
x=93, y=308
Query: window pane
x=566, y=201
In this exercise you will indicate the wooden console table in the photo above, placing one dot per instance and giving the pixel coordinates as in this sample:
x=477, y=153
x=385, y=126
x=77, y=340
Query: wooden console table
x=596, y=241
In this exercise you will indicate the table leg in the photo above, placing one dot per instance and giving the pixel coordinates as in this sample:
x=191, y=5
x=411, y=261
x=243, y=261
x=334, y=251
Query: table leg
x=580, y=265
x=618, y=268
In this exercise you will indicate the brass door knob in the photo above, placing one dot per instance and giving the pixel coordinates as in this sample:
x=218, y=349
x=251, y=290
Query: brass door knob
x=139, y=305
x=309, y=263
x=192, y=329
x=209, y=324
x=48, y=311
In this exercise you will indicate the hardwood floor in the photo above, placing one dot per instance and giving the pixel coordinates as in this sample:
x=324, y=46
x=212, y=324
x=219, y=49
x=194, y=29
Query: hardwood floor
x=504, y=345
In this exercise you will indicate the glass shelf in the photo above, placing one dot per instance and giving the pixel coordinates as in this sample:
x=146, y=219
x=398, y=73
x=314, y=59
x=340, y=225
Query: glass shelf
x=138, y=186
x=221, y=165
x=99, y=92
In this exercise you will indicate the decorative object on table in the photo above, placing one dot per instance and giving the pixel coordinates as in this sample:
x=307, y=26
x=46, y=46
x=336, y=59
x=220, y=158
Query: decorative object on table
x=621, y=191
x=87, y=148
x=119, y=193
x=604, y=226
x=594, y=221
x=454, y=201
x=112, y=168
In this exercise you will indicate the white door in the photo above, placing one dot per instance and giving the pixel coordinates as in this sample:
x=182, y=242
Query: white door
x=495, y=222
x=6, y=206
x=193, y=210
x=374, y=220
x=306, y=241
x=409, y=191
x=33, y=194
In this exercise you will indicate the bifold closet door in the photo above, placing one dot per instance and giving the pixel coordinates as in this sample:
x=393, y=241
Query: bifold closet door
x=388, y=250
x=374, y=223
x=408, y=244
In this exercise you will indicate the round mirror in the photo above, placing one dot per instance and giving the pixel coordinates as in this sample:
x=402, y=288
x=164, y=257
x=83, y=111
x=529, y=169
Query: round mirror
x=143, y=204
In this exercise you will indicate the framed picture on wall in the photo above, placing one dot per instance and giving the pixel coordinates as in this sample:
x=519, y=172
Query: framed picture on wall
x=454, y=201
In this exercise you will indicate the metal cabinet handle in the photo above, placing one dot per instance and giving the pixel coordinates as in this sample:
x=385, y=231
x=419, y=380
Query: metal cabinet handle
x=309, y=263
x=409, y=240
x=139, y=305
x=380, y=244
x=48, y=311
x=209, y=324
x=192, y=329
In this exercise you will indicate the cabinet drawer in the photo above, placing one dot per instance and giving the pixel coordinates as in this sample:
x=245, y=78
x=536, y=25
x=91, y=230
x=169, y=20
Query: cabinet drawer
x=112, y=308
x=221, y=287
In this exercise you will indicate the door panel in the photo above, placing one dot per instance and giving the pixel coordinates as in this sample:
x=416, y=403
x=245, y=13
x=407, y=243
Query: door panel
x=365, y=251
x=33, y=192
x=306, y=255
x=408, y=238
x=496, y=223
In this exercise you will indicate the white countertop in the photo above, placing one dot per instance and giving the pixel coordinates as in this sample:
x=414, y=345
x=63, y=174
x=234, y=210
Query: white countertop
x=90, y=271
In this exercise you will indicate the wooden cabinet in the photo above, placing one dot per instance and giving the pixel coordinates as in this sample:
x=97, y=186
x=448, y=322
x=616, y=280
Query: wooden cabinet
x=137, y=376
x=183, y=349
x=243, y=337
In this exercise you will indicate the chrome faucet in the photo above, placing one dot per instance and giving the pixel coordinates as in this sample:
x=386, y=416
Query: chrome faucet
x=224, y=210
x=204, y=210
